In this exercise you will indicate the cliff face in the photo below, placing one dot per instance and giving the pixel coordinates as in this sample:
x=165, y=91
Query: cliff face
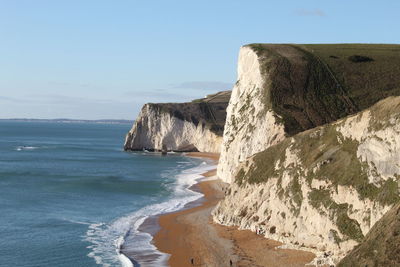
x=250, y=126
x=194, y=126
x=310, y=149
x=286, y=89
x=322, y=189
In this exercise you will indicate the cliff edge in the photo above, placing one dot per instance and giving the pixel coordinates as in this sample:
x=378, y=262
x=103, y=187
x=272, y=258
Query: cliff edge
x=284, y=89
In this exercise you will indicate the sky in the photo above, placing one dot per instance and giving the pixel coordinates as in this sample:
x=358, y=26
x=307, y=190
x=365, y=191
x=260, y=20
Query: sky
x=104, y=59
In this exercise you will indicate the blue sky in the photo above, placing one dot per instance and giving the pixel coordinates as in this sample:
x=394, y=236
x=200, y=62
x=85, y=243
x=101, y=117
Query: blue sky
x=95, y=59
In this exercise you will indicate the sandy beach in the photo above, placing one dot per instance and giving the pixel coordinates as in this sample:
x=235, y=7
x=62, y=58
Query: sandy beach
x=213, y=156
x=192, y=239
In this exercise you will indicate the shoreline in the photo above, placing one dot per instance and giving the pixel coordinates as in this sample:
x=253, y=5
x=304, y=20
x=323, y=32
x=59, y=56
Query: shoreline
x=185, y=234
x=131, y=248
x=191, y=238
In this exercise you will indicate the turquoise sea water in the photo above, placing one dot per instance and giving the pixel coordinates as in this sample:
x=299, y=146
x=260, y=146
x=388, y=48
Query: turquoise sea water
x=69, y=194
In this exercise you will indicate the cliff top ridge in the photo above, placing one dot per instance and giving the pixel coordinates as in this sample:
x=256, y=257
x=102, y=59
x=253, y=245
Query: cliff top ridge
x=313, y=84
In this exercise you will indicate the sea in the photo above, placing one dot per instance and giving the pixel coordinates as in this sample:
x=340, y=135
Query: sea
x=70, y=195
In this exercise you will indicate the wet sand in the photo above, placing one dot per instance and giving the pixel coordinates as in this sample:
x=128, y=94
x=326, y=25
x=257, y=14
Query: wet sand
x=190, y=236
x=213, y=156
x=255, y=250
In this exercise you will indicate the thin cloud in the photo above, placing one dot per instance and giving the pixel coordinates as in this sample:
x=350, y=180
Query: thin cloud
x=13, y=99
x=158, y=93
x=68, y=84
x=181, y=92
x=204, y=85
x=55, y=99
x=5, y=98
x=310, y=12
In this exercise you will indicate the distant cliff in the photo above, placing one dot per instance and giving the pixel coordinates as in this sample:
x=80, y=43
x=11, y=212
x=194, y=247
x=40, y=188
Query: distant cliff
x=282, y=90
x=193, y=126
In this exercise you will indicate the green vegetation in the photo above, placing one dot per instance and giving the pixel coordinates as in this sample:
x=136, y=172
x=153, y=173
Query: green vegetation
x=389, y=192
x=301, y=89
x=382, y=111
x=308, y=87
x=348, y=227
x=365, y=82
x=335, y=158
x=240, y=177
x=294, y=193
x=357, y=58
x=311, y=85
x=339, y=164
x=324, y=154
x=209, y=111
x=381, y=246
x=335, y=235
x=320, y=198
x=263, y=167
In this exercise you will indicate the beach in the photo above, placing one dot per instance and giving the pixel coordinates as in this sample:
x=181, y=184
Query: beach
x=192, y=239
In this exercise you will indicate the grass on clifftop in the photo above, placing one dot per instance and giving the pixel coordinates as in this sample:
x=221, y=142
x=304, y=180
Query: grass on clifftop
x=381, y=246
x=209, y=111
x=310, y=85
x=366, y=81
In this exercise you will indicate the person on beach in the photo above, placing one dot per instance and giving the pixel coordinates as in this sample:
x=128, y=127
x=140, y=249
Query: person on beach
x=192, y=261
x=230, y=263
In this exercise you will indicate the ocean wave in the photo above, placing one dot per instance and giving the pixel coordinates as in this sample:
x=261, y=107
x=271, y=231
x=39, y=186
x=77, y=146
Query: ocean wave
x=20, y=148
x=125, y=230
x=76, y=222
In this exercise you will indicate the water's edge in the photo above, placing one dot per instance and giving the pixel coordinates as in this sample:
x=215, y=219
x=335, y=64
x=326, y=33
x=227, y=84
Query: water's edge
x=130, y=247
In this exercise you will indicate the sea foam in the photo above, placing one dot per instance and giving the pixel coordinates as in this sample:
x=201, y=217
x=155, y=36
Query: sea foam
x=108, y=241
x=20, y=148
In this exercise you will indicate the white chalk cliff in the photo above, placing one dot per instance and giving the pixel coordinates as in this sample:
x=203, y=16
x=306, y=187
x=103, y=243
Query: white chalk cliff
x=323, y=189
x=319, y=188
x=193, y=126
x=251, y=124
x=152, y=130
x=281, y=90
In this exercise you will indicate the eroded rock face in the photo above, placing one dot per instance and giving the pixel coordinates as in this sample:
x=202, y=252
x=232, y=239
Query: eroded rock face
x=195, y=126
x=281, y=90
x=285, y=89
x=251, y=126
x=322, y=189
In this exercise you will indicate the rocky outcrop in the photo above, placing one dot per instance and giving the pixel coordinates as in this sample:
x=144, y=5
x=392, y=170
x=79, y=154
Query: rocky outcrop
x=322, y=189
x=286, y=89
x=194, y=126
x=250, y=126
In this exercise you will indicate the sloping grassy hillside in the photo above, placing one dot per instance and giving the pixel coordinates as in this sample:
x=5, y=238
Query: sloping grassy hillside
x=365, y=82
x=310, y=85
x=381, y=246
